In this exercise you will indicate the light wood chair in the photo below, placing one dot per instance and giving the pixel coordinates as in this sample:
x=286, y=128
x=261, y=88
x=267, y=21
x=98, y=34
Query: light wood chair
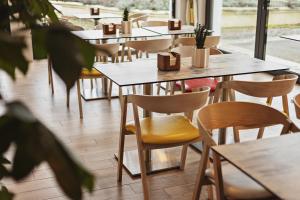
x=231, y=183
x=154, y=23
x=148, y=46
x=138, y=18
x=111, y=50
x=211, y=41
x=193, y=85
x=296, y=101
x=160, y=131
x=281, y=85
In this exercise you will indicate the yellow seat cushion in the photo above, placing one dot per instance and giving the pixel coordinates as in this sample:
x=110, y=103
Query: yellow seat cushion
x=165, y=130
x=93, y=72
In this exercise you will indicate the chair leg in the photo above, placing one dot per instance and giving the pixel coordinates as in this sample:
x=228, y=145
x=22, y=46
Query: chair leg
x=79, y=99
x=183, y=156
x=133, y=89
x=236, y=135
x=50, y=75
x=143, y=172
x=120, y=156
x=167, y=88
x=110, y=89
x=260, y=133
x=172, y=88
x=92, y=85
x=122, y=52
x=158, y=88
x=68, y=99
x=285, y=105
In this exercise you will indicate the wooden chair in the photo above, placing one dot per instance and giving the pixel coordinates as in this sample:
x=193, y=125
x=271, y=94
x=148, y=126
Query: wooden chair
x=154, y=23
x=148, y=46
x=231, y=183
x=211, y=41
x=296, y=101
x=138, y=18
x=281, y=85
x=169, y=131
x=193, y=85
x=112, y=50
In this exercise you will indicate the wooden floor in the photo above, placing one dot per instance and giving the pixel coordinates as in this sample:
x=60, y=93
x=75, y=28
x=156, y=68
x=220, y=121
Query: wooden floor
x=93, y=141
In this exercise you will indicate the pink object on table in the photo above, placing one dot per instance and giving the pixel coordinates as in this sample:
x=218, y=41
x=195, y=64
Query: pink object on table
x=198, y=83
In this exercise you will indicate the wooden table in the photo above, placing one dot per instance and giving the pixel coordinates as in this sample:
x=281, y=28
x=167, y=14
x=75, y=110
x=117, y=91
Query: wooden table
x=98, y=34
x=163, y=30
x=145, y=72
x=291, y=37
x=272, y=162
x=96, y=18
x=95, y=93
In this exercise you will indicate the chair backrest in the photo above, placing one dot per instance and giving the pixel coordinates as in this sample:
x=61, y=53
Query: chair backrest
x=181, y=103
x=150, y=46
x=280, y=86
x=110, y=49
x=187, y=51
x=185, y=41
x=297, y=105
x=211, y=41
x=235, y=114
x=136, y=15
x=154, y=23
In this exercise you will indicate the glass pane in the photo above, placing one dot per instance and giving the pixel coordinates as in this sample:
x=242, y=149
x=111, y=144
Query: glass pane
x=156, y=9
x=238, y=25
x=284, y=20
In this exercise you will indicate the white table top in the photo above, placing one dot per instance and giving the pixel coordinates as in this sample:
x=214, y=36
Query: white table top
x=163, y=30
x=145, y=71
x=100, y=16
x=291, y=37
x=272, y=162
x=98, y=34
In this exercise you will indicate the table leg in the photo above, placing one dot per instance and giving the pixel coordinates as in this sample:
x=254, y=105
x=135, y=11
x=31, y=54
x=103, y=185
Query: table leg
x=225, y=97
x=222, y=132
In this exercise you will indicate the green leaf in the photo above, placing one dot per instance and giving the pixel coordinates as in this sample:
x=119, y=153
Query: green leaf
x=35, y=144
x=5, y=194
x=11, y=55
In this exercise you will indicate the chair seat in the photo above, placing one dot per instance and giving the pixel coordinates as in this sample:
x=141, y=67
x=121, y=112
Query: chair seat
x=93, y=72
x=165, y=130
x=237, y=185
x=198, y=83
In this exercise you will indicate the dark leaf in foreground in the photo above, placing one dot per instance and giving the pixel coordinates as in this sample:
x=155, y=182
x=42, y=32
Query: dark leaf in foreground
x=36, y=144
x=68, y=53
x=11, y=55
x=5, y=194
